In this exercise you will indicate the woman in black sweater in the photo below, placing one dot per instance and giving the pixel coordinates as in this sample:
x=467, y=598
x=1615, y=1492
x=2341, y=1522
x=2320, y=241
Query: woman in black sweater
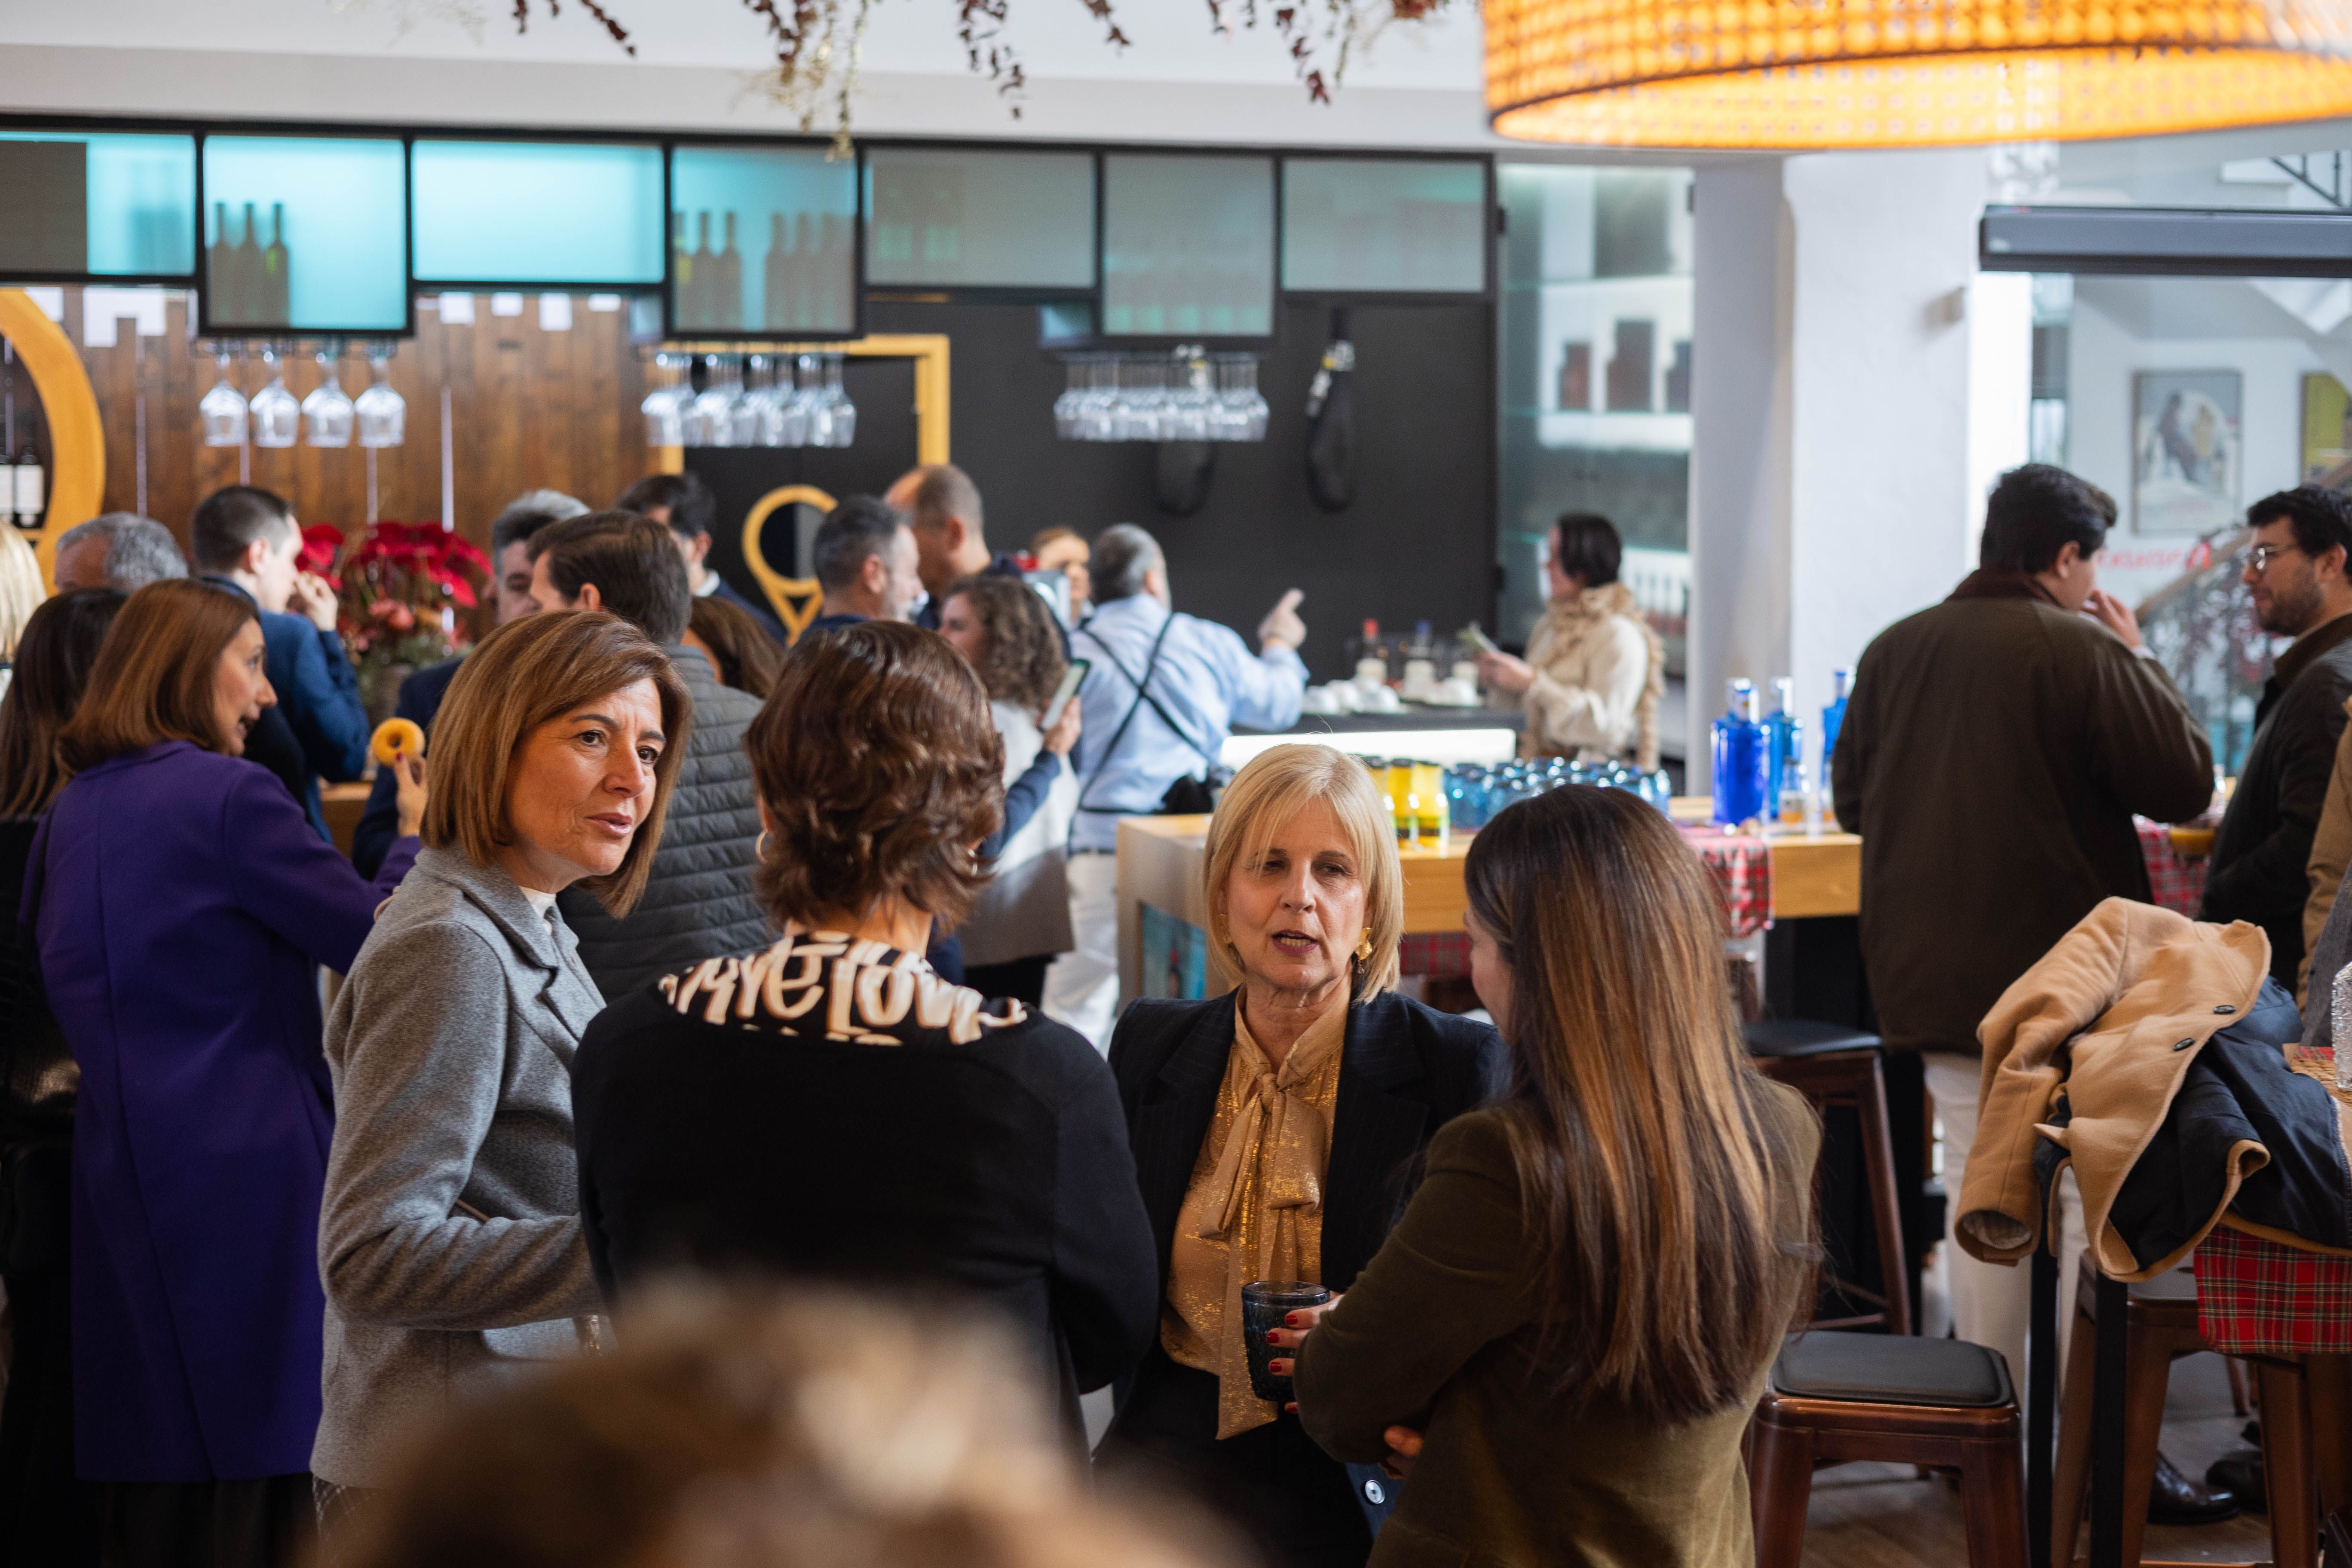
x=830, y=1108
x=44, y=1514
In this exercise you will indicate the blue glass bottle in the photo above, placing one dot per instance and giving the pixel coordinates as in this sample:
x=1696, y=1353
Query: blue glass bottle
x=1742, y=759
x=1832, y=716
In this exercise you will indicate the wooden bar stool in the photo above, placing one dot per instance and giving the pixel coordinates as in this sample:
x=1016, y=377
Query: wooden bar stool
x=1835, y=1398
x=1832, y=1064
x=2159, y=1327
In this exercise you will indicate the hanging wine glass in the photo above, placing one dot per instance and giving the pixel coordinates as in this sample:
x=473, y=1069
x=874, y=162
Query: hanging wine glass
x=813, y=402
x=665, y=406
x=276, y=415
x=1188, y=405
x=222, y=409
x=844, y=411
x=383, y=413
x=329, y=412
x=752, y=412
x=792, y=405
x=714, y=410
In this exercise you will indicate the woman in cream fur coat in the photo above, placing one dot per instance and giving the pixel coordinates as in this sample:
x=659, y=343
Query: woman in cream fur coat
x=1594, y=670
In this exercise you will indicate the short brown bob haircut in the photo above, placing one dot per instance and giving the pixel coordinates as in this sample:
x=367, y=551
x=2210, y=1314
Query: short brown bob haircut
x=520, y=677
x=153, y=678
x=881, y=771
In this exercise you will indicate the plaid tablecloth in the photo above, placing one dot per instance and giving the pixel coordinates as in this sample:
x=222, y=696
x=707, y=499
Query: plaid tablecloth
x=2256, y=1296
x=1741, y=863
x=2177, y=885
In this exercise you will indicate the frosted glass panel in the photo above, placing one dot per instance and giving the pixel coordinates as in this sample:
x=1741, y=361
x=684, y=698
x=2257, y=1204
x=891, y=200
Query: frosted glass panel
x=537, y=212
x=1383, y=225
x=1188, y=246
x=306, y=232
x=762, y=240
x=980, y=220
x=114, y=206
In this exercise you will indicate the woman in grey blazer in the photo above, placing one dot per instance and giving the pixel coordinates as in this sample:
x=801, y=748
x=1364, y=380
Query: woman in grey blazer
x=449, y=1240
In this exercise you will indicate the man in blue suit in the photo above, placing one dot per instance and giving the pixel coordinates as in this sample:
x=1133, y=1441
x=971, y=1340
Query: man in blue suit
x=421, y=693
x=246, y=538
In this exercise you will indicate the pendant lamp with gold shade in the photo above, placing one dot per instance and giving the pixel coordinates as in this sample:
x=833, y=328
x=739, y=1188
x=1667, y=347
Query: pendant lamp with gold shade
x=1907, y=73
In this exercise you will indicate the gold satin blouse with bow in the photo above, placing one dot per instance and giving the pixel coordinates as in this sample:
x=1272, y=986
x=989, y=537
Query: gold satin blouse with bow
x=1254, y=1209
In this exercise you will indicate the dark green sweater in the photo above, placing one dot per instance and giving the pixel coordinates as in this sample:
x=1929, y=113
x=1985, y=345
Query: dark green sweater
x=1438, y=1332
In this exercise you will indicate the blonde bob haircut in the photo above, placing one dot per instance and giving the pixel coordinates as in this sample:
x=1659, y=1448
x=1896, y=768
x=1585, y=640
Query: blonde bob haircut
x=520, y=677
x=1276, y=785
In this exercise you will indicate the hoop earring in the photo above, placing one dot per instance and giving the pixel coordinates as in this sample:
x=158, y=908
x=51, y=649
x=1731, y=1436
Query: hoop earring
x=759, y=845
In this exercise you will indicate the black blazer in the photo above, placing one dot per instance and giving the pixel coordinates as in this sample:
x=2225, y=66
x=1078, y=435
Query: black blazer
x=1406, y=1070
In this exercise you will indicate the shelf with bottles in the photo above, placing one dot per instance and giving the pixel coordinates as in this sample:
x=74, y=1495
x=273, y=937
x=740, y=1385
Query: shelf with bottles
x=1188, y=246
x=304, y=232
x=26, y=450
x=762, y=240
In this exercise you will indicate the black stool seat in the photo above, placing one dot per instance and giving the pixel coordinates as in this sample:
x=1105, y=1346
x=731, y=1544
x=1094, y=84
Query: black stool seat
x=1786, y=1037
x=1891, y=1369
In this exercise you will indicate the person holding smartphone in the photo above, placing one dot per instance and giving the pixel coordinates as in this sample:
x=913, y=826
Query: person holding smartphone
x=1021, y=920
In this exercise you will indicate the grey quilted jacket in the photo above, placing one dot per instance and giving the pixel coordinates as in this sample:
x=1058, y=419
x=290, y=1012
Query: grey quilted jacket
x=698, y=903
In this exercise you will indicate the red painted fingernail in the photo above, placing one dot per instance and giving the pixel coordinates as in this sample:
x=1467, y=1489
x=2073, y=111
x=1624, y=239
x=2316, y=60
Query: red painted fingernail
x=1292, y=1320
x=1274, y=1336
x=1291, y=1408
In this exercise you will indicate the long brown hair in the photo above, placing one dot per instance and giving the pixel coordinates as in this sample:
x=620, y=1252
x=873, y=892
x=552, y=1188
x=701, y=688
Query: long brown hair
x=1020, y=657
x=155, y=676
x=522, y=675
x=1673, y=1244
x=54, y=657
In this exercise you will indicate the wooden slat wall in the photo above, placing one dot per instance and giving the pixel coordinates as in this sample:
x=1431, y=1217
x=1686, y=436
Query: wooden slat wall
x=529, y=408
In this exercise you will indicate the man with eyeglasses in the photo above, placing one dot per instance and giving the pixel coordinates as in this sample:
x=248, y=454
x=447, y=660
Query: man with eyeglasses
x=2261, y=868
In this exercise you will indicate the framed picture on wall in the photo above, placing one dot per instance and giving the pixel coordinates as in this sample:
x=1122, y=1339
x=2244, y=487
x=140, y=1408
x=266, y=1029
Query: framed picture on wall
x=2186, y=445
x=2326, y=431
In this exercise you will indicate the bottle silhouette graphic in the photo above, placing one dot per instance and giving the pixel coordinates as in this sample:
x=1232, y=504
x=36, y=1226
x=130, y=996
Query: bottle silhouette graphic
x=809, y=272
x=776, y=276
x=727, y=282
x=681, y=267
x=701, y=292
x=277, y=298
x=251, y=292
x=220, y=269
x=839, y=308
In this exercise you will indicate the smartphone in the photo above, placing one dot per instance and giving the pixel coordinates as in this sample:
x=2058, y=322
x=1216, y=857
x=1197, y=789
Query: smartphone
x=1071, y=680
x=1478, y=639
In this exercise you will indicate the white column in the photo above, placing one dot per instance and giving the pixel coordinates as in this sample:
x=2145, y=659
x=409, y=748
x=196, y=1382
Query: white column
x=1829, y=467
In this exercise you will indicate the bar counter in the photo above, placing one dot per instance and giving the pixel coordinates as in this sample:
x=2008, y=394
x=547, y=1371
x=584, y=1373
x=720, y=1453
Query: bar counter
x=1161, y=865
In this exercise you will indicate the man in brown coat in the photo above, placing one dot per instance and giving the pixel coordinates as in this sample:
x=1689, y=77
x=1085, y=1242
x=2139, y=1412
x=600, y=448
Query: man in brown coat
x=1994, y=751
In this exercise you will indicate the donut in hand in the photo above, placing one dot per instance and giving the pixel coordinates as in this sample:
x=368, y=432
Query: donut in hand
x=395, y=739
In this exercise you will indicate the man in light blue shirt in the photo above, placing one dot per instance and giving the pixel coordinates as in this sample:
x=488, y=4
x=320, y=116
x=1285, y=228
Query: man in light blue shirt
x=1163, y=693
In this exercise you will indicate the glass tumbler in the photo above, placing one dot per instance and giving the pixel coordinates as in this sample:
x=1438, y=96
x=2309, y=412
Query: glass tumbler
x=1265, y=1304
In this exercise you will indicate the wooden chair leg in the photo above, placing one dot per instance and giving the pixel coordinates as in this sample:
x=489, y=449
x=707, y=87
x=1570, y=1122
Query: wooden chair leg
x=2287, y=1467
x=1878, y=1155
x=2147, y=1369
x=1992, y=1504
x=2070, y=1478
x=2327, y=1393
x=2239, y=1404
x=1779, y=1486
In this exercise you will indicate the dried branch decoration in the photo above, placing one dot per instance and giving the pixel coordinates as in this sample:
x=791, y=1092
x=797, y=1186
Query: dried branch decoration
x=817, y=42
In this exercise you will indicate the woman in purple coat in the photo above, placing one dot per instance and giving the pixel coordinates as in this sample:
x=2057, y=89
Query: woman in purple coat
x=182, y=907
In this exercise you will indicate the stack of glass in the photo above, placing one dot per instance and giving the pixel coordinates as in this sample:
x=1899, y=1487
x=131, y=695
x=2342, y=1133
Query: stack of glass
x=1185, y=395
x=750, y=401
x=1476, y=790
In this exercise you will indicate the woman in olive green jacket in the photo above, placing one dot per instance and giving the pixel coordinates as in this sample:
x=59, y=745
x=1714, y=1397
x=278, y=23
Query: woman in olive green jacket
x=1563, y=1338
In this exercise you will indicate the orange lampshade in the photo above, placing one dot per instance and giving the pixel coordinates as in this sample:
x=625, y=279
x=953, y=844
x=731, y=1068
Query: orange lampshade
x=1907, y=73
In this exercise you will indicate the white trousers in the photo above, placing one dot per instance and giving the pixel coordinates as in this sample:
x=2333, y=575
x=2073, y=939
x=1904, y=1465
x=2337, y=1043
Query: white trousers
x=1992, y=1303
x=1082, y=986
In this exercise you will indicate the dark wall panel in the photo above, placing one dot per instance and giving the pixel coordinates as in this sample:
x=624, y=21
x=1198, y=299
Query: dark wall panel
x=1417, y=542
